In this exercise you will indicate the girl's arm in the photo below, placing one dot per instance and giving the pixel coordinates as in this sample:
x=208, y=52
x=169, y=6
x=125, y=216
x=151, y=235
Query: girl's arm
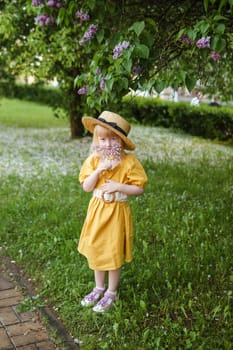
x=90, y=182
x=111, y=186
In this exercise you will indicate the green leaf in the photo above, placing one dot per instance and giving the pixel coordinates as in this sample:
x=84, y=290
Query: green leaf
x=192, y=34
x=181, y=33
x=143, y=305
x=220, y=29
x=61, y=15
x=122, y=83
x=206, y=3
x=218, y=43
x=138, y=27
x=100, y=35
x=219, y=18
x=91, y=4
x=109, y=84
x=159, y=86
x=127, y=64
x=204, y=28
x=190, y=82
x=141, y=51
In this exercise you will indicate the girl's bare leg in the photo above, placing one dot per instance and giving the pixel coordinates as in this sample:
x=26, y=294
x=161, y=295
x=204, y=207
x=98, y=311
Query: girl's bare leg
x=113, y=279
x=99, y=279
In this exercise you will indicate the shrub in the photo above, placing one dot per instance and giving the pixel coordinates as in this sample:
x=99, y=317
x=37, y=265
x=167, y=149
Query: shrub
x=204, y=121
x=38, y=92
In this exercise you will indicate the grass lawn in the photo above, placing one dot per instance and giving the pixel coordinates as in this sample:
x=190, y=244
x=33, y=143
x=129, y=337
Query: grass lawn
x=26, y=114
x=177, y=292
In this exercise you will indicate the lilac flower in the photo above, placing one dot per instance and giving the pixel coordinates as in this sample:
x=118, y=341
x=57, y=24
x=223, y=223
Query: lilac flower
x=51, y=3
x=215, y=56
x=98, y=71
x=83, y=90
x=118, y=49
x=54, y=3
x=112, y=153
x=102, y=83
x=203, y=42
x=36, y=3
x=41, y=19
x=58, y=4
x=82, y=16
x=89, y=34
x=44, y=20
x=137, y=69
x=186, y=40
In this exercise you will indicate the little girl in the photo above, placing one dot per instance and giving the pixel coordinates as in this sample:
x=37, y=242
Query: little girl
x=113, y=175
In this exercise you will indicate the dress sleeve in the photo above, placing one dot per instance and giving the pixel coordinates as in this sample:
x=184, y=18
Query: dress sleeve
x=136, y=173
x=87, y=169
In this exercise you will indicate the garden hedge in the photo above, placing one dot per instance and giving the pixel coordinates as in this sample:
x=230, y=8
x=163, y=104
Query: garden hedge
x=205, y=121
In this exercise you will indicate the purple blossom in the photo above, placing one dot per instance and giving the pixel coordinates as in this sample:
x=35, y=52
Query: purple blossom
x=82, y=16
x=58, y=4
x=51, y=3
x=44, y=20
x=36, y=3
x=83, y=90
x=186, y=40
x=118, y=49
x=137, y=69
x=89, y=34
x=215, y=56
x=203, y=42
x=98, y=71
x=102, y=83
x=54, y=3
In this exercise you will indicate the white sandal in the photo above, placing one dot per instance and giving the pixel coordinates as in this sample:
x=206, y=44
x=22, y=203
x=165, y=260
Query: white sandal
x=93, y=297
x=105, y=303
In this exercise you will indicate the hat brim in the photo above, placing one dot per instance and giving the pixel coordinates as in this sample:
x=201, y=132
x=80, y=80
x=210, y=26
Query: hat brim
x=90, y=123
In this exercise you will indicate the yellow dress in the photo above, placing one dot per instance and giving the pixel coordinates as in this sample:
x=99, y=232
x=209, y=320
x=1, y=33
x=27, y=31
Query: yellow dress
x=107, y=234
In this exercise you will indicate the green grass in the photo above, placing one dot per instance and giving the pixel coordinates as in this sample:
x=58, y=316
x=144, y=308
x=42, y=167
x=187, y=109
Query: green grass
x=177, y=292
x=23, y=114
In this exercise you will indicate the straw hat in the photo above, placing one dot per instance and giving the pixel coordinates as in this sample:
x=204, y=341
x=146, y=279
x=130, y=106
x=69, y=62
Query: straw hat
x=113, y=122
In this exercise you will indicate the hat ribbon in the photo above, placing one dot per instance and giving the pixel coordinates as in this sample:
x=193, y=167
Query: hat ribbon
x=113, y=125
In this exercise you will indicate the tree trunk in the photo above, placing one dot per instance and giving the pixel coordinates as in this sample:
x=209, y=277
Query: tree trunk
x=76, y=113
x=76, y=126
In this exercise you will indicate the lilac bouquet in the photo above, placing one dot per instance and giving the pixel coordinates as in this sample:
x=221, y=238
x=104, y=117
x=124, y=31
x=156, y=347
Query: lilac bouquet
x=110, y=153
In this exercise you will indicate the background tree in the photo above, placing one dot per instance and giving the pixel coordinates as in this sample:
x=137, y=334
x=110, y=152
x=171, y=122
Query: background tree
x=98, y=50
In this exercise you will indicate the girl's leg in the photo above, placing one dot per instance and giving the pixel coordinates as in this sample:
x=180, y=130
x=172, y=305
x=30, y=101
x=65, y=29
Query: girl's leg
x=113, y=280
x=99, y=279
x=92, y=298
x=110, y=296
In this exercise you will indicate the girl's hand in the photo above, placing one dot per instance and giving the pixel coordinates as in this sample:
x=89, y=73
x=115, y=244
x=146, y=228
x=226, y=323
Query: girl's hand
x=110, y=186
x=104, y=166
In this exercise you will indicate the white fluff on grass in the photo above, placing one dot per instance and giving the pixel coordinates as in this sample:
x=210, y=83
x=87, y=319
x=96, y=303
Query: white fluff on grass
x=33, y=152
